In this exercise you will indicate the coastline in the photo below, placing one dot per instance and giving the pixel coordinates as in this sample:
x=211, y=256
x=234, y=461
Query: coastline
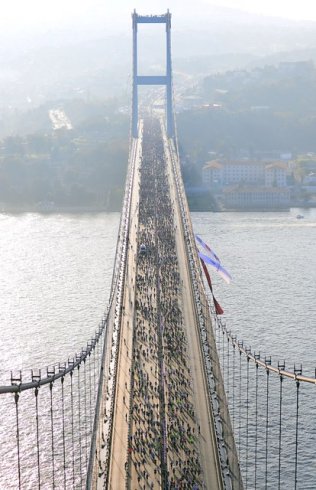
x=194, y=206
x=58, y=209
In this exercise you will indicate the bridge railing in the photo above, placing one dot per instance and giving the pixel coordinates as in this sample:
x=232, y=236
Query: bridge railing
x=225, y=438
x=101, y=441
x=272, y=410
x=46, y=421
x=49, y=417
x=273, y=413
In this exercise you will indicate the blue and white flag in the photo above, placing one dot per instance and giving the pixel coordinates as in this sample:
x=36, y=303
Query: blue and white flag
x=217, y=266
x=206, y=247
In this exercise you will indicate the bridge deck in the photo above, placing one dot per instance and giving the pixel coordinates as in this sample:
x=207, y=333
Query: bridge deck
x=163, y=432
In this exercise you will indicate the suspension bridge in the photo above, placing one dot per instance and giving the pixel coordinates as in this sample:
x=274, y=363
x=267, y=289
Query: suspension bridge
x=164, y=395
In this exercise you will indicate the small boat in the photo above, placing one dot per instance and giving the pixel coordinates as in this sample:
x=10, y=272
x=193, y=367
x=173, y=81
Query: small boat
x=299, y=216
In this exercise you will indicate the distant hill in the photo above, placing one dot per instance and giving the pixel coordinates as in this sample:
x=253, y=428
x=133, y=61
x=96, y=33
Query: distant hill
x=284, y=56
x=272, y=108
x=289, y=87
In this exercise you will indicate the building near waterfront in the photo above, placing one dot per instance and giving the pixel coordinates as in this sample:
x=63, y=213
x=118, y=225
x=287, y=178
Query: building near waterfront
x=275, y=174
x=227, y=172
x=248, y=184
x=256, y=172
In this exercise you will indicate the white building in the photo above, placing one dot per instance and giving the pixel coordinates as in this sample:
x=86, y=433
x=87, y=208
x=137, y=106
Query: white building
x=222, y=173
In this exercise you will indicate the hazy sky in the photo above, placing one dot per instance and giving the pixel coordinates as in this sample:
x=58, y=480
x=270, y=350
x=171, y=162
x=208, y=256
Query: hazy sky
x=293, y=9
x=25, y=14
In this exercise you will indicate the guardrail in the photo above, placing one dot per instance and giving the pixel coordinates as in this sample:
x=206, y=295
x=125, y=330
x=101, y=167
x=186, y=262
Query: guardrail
x=108, y=373
x=225, y=439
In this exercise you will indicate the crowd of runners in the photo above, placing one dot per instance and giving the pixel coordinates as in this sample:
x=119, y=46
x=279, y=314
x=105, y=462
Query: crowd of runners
x=163, y=430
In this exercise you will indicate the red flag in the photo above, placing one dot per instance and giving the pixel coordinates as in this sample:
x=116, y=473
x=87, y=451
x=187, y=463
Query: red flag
x=207, y=275
x=218, y=309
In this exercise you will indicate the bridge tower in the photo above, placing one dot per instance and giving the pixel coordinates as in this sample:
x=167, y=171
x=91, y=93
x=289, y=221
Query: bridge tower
x=152, y=80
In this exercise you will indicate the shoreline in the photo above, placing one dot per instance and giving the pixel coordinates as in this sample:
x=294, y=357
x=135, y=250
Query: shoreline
x=57, y=210
x=96, y=210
